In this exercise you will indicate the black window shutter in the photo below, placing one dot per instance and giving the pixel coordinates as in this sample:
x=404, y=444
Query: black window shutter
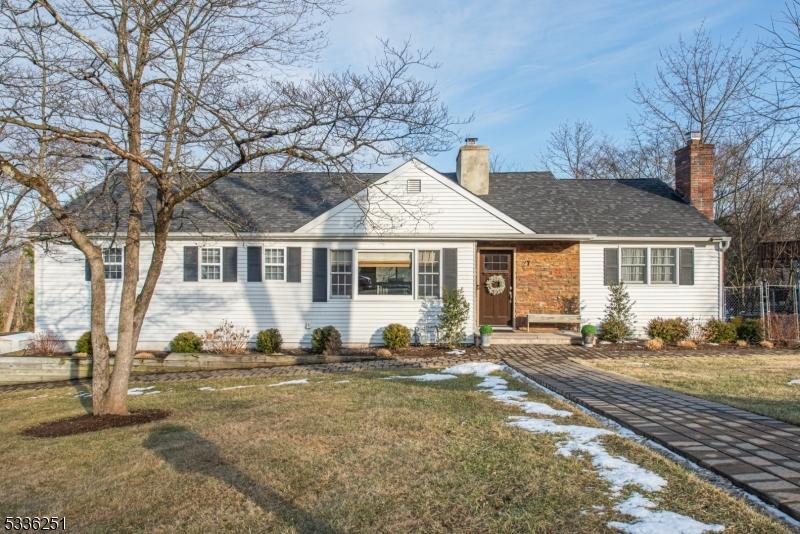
x=610, y=266
x=190, y=264
x=319, y=277
x=293, y=264
x=87, y=272
x=686, y=272
x=449, y=269
x=230, y=264
x=254, y=264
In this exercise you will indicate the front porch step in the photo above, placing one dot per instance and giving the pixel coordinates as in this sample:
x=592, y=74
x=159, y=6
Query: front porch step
x=535, y=338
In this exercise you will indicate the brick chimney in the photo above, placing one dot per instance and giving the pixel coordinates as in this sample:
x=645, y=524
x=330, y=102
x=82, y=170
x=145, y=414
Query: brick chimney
x=472, y=166
x=694, y=174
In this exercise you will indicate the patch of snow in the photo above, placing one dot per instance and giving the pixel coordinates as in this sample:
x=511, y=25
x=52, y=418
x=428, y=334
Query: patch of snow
x=427, y=377
x=83, y=395
x=290, y=382
x=473, y=368
x=617, y=471
x=456, y=352
x=37, y=397
x=493, y=382
x=135, y=392
x=342, y=382
x=541, y=408
x=650, y=521
x=207, y=388
x=794, y=382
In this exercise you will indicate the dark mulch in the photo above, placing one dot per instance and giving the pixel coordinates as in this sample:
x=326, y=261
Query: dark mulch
x=89, y=423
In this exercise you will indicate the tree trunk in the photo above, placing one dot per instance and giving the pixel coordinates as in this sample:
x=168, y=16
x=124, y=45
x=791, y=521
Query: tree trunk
x=11, y=303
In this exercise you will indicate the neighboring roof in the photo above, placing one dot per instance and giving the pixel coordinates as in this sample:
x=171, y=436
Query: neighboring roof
x=285, y=201
x=619, y=208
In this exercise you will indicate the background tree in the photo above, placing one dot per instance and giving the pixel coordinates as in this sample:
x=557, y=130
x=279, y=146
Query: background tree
x=177, y=94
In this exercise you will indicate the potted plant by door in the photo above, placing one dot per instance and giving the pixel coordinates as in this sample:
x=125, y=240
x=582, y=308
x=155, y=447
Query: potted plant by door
x=589, y=333
x=486, y=335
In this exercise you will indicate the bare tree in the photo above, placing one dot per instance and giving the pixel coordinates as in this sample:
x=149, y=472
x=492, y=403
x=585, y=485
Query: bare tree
x=178, y=94
x=701, y=86
x=571, y=149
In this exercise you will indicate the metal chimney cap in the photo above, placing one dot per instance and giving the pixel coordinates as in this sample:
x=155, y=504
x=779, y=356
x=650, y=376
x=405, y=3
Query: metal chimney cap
x=693, y=136
x=471, y=140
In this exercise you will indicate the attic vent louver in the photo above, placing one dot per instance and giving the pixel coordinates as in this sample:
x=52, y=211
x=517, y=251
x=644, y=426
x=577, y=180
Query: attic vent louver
x=413, y=186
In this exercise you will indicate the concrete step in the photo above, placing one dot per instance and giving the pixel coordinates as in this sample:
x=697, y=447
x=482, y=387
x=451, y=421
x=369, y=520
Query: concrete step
x=535, y=338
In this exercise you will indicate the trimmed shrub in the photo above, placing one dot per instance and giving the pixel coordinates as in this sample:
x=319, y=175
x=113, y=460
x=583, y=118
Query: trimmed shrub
x=720, y=332
x=687, y=344
x=750, y=330
x=742, y=344
x=186, y=342
x=486, y=329
x=588, y=330
x=84, y=343
x=269, y=341
x=396, y=336
x=614, y=330
x=654, y=344
x=326, y=340
x=669, y=330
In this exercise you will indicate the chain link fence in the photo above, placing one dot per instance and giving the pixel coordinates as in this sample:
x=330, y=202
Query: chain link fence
x=775, y=305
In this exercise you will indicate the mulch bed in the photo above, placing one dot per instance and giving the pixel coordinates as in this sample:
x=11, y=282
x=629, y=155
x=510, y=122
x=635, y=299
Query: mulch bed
x=89, y=423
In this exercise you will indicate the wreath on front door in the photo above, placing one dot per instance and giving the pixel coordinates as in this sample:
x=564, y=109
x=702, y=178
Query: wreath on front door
x=495, y=284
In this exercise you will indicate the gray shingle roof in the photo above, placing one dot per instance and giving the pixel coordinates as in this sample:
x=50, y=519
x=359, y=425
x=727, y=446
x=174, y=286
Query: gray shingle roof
x=285, y=201
x=624, y=208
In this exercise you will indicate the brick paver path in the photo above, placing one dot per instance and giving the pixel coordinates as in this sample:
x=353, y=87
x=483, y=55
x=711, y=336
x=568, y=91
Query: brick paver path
x=757, y=453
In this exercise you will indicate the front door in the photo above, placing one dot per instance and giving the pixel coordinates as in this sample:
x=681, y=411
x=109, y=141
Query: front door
x=496, y=286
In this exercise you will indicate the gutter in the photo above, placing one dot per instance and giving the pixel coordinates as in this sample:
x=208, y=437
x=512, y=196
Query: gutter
x=291, y=236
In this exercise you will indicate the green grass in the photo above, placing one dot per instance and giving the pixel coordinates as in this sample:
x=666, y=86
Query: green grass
x=370, y=456
x=756, y=383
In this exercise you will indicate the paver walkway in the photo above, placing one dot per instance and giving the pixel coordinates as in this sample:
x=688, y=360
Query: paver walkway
x=757, y=453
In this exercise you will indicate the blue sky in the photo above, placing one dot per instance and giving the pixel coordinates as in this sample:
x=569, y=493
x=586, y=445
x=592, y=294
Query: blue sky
x=523, y=67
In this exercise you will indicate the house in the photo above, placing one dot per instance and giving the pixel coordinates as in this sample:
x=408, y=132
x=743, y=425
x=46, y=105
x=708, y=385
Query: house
x=299, y=250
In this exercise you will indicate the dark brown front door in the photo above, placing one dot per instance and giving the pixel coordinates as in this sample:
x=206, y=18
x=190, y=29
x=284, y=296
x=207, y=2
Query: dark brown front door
x=495, y=304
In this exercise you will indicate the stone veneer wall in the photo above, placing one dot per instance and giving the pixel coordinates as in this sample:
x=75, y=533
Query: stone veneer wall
x=547, y=278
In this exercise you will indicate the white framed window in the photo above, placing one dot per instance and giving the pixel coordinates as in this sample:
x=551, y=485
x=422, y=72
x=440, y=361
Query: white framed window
x=342, y=274
x=634, y=266
x=112, y=263
x=385, y=273
x=211, y=263
x=429, y=274
x=274, y=264
x=664, y=265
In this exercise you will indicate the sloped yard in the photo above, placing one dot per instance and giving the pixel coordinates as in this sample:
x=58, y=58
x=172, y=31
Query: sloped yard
x=350, y=452
x=768, y=384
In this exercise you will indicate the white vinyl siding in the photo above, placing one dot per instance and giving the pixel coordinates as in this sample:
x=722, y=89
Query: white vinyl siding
x=699, y=301
x=392, y=209
x=62, y=305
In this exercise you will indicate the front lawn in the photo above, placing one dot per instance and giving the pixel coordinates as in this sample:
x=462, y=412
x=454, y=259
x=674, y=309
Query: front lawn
x=758, y=383
x=340, y=453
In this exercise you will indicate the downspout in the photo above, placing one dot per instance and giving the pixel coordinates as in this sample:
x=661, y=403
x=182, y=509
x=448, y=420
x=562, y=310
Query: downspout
x=722, y=246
